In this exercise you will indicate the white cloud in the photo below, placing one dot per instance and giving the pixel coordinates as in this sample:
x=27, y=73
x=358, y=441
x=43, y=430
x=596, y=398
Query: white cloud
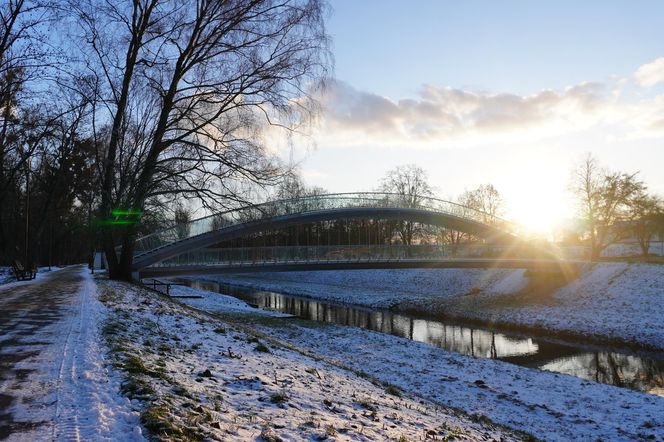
x=650, y=74
x=455, y=115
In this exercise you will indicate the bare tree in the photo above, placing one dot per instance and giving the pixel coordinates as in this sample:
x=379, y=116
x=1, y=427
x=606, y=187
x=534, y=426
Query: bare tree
x=463, y=210
x=182, y=217
x=647, y=213
x=411, y=184
x=605, y=201
x=487, y=200
x=192, y=84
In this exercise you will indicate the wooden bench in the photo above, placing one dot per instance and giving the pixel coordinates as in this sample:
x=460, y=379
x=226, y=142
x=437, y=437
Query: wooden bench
x=157, y=285
x=21, y=273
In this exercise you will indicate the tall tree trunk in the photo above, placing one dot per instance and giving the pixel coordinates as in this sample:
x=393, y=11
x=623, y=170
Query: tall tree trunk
x=141, y=21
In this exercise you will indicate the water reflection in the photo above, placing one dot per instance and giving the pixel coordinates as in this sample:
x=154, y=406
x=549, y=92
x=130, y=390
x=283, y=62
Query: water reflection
x=642, y=373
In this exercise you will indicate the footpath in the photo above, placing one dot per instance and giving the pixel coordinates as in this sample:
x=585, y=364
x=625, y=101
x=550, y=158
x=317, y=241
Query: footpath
x=54, y=384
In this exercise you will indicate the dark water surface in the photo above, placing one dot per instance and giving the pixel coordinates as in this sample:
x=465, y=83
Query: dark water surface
x=642, y=372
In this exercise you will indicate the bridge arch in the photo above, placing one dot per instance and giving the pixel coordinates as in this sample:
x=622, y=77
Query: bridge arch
x=202, y=233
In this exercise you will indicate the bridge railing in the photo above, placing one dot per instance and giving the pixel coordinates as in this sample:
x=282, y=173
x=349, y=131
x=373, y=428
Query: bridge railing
x=337, y=253
x=314, y=203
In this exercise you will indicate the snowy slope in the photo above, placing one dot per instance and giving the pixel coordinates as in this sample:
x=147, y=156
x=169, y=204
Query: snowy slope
x=208, y=379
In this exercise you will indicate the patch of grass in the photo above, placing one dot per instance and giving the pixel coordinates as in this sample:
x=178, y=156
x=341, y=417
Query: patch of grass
x=108, y=295
x=394, y=391
x=331, y=431
x=134, y=388
x=262, y=348
x=279, y=397
x=480, y=418
x=267, y=435
x=158, y=421
x=181, y=391
x=112, y=328
x=362, y=374
x=367, y=404
x=220, y=330
x=134, y=365
x=311, y=422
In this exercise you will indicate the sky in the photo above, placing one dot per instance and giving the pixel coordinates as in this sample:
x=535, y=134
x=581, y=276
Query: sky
x=512, y=93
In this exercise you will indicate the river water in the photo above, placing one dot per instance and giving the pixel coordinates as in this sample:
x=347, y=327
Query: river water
x=643, y=372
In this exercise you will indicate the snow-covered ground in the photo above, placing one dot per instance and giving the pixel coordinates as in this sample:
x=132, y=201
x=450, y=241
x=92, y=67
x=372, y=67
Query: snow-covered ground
x=7, y=276
x=213, y=302
x=54, y=370
x=549, y=405
x=380, y=288
x=611, y=300
x=633, y=249
x=197, y=376
x=92, y=359
x=608, y=302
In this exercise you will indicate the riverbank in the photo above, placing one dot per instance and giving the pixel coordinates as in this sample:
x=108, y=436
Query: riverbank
x=551, y=406
x=195, y=376
x=616, y=303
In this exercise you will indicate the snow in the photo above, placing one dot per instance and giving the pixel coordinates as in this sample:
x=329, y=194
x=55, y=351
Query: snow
x=551, y=406
x=7, y=279
x=608, y=302
x=237, y=399
x=67, y=392
x=215, y=302
x=379, y=288
x=633, y=249
x=612, y=300
x=89, y=403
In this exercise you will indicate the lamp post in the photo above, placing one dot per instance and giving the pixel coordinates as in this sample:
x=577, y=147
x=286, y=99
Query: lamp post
x=27, y=209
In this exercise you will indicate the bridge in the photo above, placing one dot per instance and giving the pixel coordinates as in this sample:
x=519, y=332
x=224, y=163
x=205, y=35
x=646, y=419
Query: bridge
x=193, y=247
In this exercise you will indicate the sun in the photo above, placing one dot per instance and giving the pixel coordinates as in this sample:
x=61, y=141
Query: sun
x=538, y=212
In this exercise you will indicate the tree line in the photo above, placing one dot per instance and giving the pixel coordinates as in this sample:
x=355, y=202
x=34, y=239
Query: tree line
x=112, y=112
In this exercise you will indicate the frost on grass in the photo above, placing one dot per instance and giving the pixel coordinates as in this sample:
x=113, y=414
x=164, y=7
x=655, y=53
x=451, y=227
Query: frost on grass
x=196, y=378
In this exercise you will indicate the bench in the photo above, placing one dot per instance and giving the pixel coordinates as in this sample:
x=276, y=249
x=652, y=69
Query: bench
x=157, y=285
x=21, y=273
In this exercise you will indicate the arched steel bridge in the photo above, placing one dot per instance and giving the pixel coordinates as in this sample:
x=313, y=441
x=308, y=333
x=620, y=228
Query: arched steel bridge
x=185, y=248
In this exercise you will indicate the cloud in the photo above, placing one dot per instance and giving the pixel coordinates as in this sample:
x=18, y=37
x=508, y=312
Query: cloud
x=650, y=74
x=438, y=114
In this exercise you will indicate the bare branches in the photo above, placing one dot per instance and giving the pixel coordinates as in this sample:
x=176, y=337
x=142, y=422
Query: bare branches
x=411, y=183
x=608, y=202
x=190, y=87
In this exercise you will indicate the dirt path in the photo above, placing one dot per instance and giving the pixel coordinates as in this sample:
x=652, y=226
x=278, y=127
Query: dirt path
x=33, y=318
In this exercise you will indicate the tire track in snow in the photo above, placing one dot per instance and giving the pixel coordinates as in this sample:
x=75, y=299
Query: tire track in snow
x=89, y=406
x=54, y=383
